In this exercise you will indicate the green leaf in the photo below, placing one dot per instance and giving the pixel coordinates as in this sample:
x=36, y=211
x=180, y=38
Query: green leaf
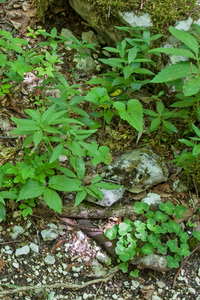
x=174, y=72
x=127, y=71
x=147, y=248
x=185, y=38
x=135, y=273
x=132, y=54
x=8, y=195
x=96, y=179
x=80, y=196
x=133, y=114
x=123, y=267
x=170, y=126
x=2, y=212
x=172, y=245
x=31, y=189
x=53, y=200
x=111, y=233
x=191, y=85
x=56, y=152
x=49, y=112
x=67, y=172
x=89, y=147
x=171, y=262
x=108, y=186
x=80, y=168
x=65, y=184
x=37, y=137
x=173, y=51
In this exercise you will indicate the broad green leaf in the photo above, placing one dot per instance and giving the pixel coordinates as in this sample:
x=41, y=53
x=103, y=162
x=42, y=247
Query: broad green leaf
x=35, y=114
x=108, y=186
x=160, y=107
x=174, y=72
x=31, y=189
x=80, y=168
x=142, y=71
x=2, y=212
x=170, y=126
x=196, y=150
x=196, y=129
x=56, y=152
x=49, y=112
x=150, y=112
x=118, y=81
x=96, y=179
x=66, y=171
x=127, y=71
x=191, y=85
x=111, y=49
x=80, y=196
x=8, y=195
x=155, y=123
x=89, y=147
x=185, y=38
x=53, y=200
x=37, y=137
x=173, y=51
x=65, y=184
x=133, y=114
x=132, y=54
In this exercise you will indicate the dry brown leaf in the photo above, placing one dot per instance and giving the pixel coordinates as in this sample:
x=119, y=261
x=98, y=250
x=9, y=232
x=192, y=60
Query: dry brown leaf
x=163, y=190
x=148, y=291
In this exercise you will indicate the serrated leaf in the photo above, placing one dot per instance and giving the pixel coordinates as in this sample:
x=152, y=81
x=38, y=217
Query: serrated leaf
x=53, y=200
x=174, y=72
x=31, y=189
x=191, y=85
x=8, y=195
x=185, y=38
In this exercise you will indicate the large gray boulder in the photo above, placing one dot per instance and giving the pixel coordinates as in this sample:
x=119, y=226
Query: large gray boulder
x=137, y=170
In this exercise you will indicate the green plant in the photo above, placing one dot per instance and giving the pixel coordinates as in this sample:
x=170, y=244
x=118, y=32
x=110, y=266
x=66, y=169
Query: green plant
x=156, y=232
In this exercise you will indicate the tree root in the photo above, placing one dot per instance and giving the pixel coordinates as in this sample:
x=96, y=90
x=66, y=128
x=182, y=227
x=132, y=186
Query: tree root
x=72, y=286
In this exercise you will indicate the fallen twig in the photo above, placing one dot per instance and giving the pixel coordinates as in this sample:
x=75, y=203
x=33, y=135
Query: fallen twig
x=72, y=286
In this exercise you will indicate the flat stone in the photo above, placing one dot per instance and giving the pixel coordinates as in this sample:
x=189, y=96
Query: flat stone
x=152, y=199
x=17, y=230
x=22, y=251
x=34, y=247
x=49, y=235
x=50, y=260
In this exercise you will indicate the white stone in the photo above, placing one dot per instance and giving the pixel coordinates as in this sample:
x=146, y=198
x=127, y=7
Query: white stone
x=49, y=235
x=133, y=20
x=15, y=265
x=17, y=230
x=85, y=295
x=34, y=247
x=152, y=199
x=49, y=260
x=80, y=235
x=191, y=290
x=134, y=284
x=160, y=284
x=22, y=251
x=155, y=297
x=184, y=25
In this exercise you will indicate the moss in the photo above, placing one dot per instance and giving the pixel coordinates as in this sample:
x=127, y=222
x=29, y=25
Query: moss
x=163, y=13
x=42, y=7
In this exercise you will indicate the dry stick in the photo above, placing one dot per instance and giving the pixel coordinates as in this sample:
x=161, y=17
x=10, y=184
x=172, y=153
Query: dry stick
x=72, y=286
x=174, y=284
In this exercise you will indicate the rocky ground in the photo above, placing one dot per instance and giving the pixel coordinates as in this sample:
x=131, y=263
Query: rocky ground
x=42, y=258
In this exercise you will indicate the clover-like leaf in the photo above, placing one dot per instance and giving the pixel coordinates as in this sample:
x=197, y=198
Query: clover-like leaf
x=134, y=273
x=171, y=262
x=172, y=245
x=168, y=207
x=111, y=233
x=196, y=234
x=150, y=224
x=123, y=267
x=140, y=207
x=179, y=210
x=147, y=248
x=162, y=249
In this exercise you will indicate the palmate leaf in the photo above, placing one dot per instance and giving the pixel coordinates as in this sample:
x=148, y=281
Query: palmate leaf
x=174, y=72
x=133, y=114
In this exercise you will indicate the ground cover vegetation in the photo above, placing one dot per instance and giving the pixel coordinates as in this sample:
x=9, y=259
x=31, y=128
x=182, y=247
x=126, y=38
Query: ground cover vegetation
x=51, y=131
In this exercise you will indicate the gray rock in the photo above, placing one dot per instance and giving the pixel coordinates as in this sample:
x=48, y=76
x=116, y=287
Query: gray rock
x=152, y=199
x=34, y=247
x=103, y=258
x=49, y=235
x=110, y=197
x=98, y=269
x=152, y=261
x=15, y=265
x=49, y=260
x=22, y=251
x=134, y=284
x=131, y=19
x=90, y=37
x=155, y=297
x=86, y=64
x=137, y=170
x=180, y=187
x=160, y=284
x=17, y=230
x=67, y=33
